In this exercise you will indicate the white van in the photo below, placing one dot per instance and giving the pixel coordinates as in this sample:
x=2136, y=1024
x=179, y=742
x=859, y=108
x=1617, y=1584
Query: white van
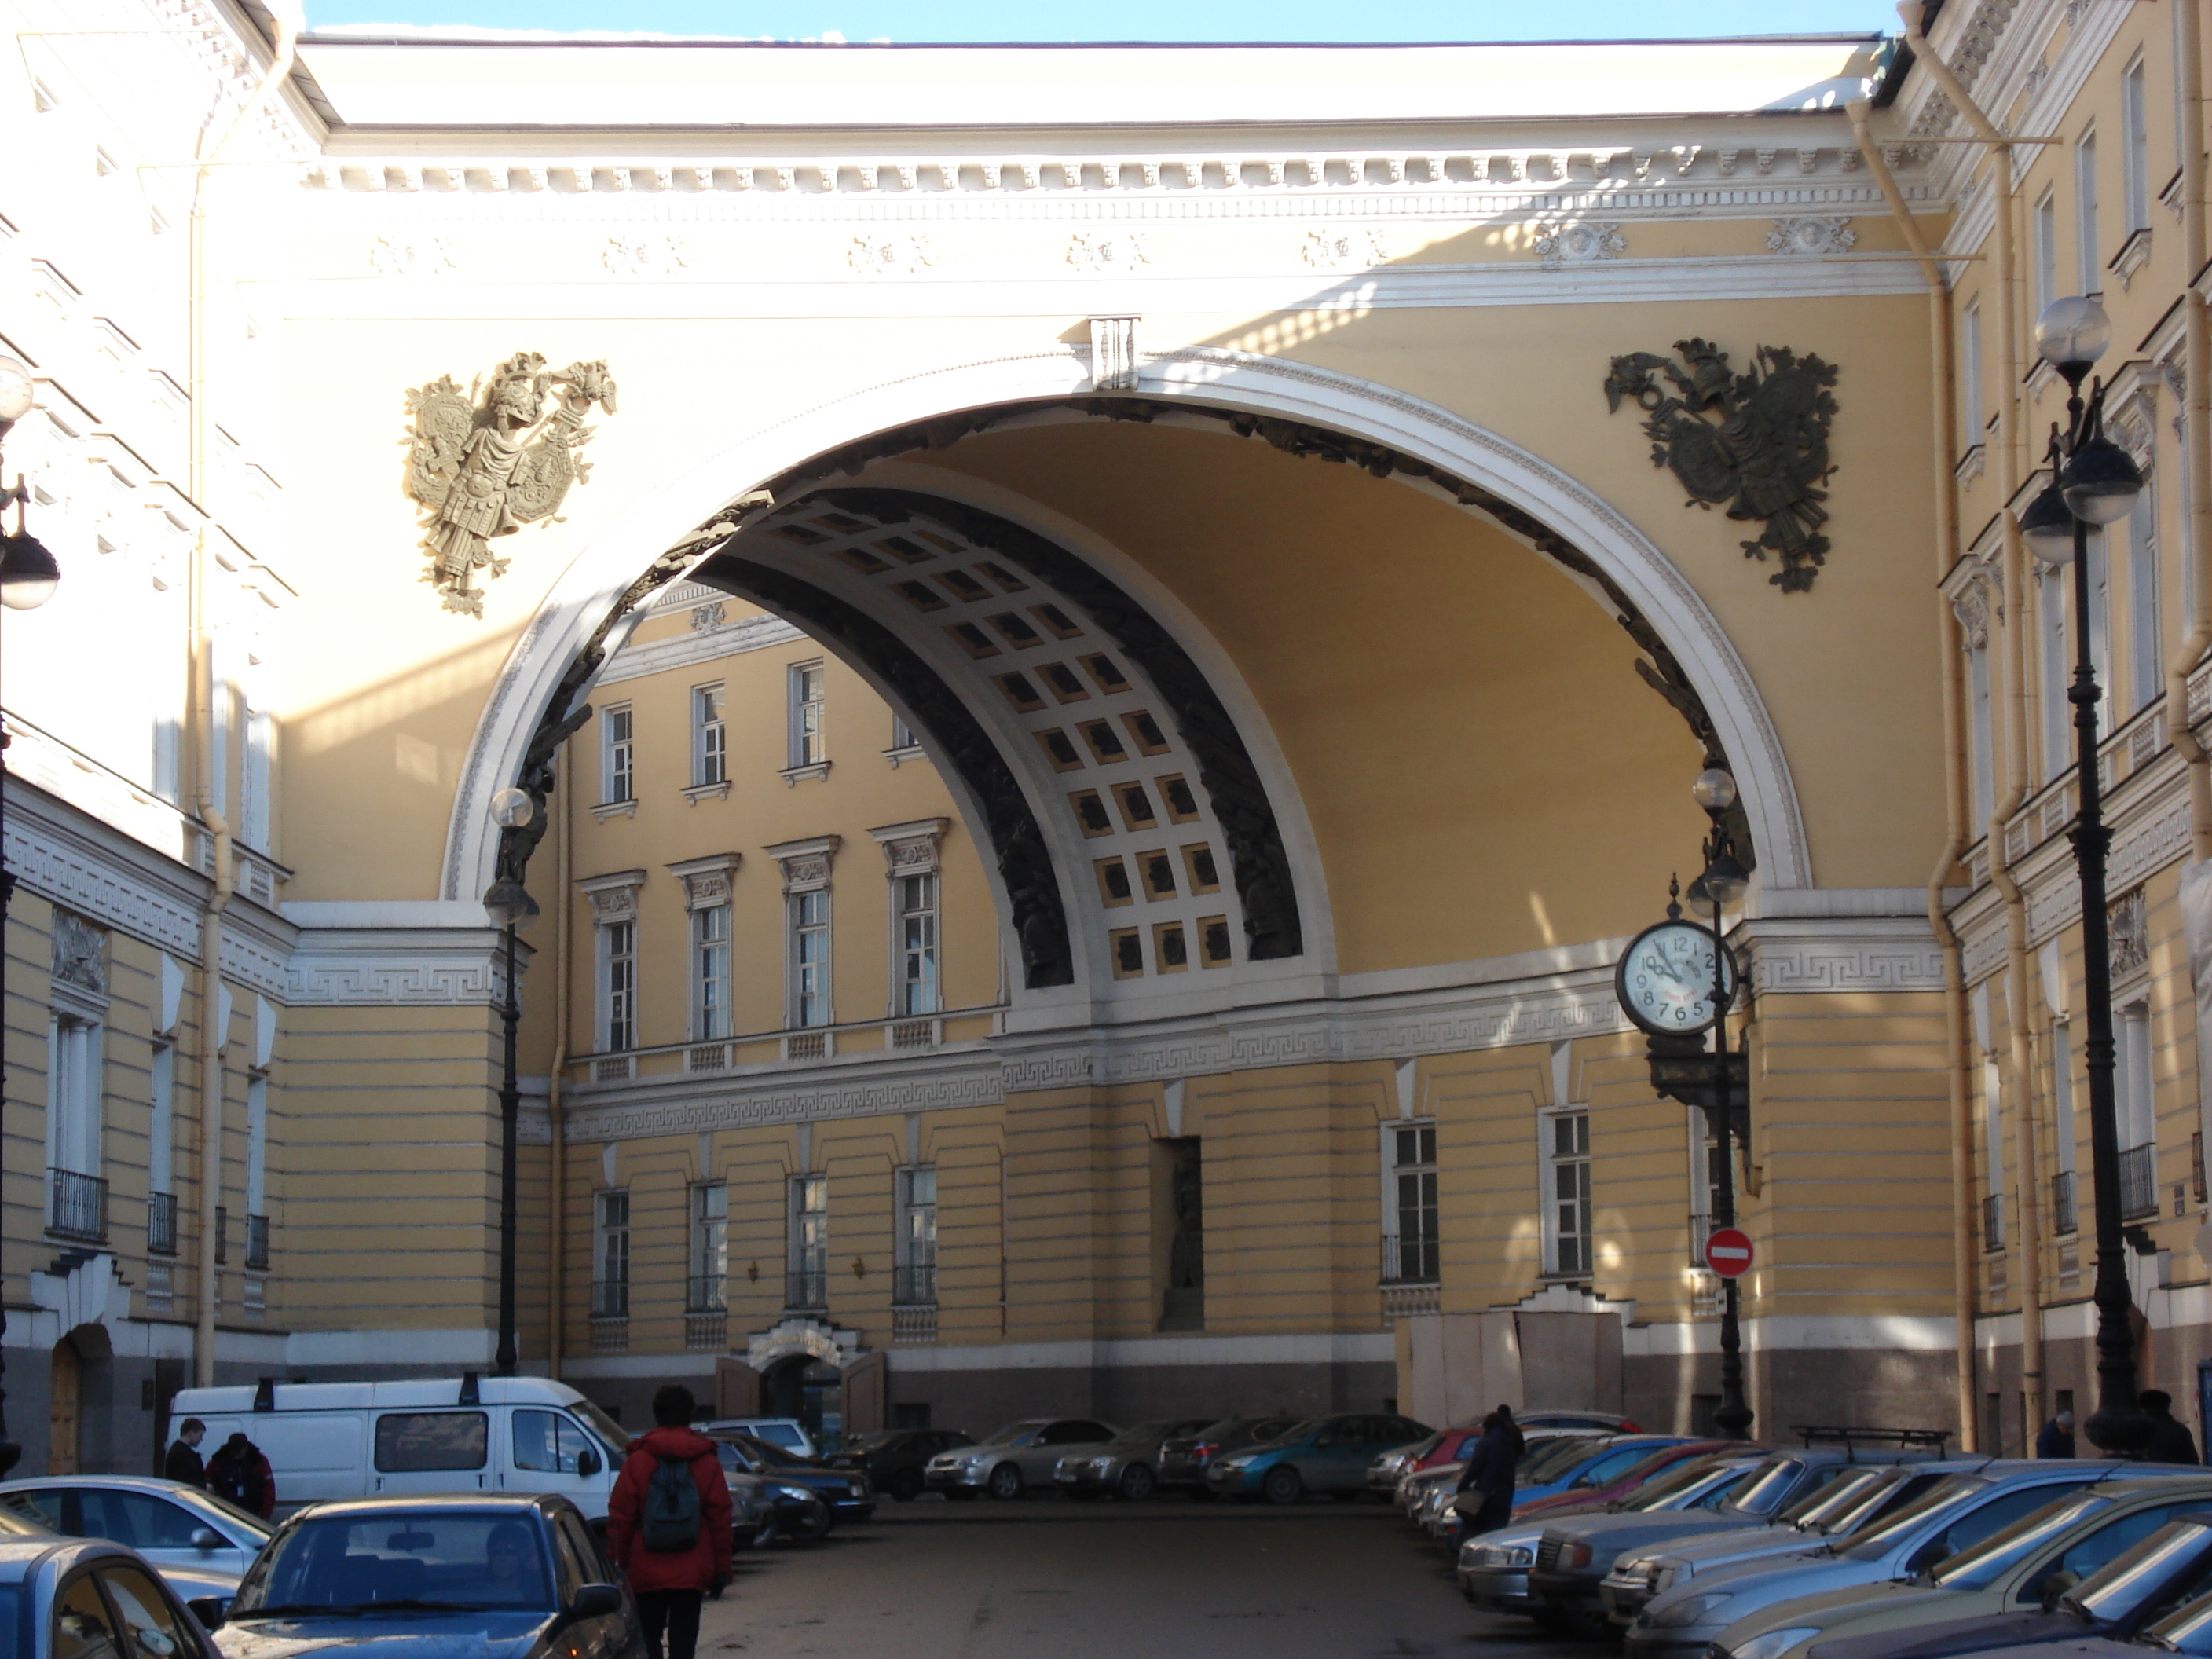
x=454, y=1434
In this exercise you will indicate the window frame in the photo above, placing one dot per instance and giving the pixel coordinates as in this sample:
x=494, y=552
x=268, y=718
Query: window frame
x=707, y=1243
x=617, y=985
x=1551, y=1161
x=806, y=1236
x=1972, y=408
x=1425, y=1265
x=913, y=997
x=806, y=703
x=2089, y=261
x=712, y=1019
x=810, y=979
x=710, y=740
x=610, y=1251
x=2043, y=252
x=2135, y=145
x=2146, y=614
x=617, y=755
x=913, y=1255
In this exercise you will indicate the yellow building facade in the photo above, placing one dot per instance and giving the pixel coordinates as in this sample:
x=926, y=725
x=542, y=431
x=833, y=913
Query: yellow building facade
x=1107, y=646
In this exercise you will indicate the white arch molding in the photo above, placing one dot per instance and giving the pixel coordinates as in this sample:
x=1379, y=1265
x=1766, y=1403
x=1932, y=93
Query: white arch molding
x=1201, y=375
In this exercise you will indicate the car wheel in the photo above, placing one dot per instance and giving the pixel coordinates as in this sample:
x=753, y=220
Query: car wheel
x=905, y=1485
x=813, y=1524
x=1136, y=1483
x=1282, y=1485
x=1007, y=1481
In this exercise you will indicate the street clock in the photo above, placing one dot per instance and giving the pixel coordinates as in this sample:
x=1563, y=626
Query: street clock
x=1664, y=980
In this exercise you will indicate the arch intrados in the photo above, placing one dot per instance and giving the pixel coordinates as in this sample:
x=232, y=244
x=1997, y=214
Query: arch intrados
x=703, y=494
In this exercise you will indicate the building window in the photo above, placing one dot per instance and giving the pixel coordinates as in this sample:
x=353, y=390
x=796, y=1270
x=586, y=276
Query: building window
x=806, y=690
x=1410, y=1247
x=2089, y=269
x=2057, y=659
x=161, y=1151
x=1980, y=738
x=1567, y=1192
x=1993, y=1235
x=710, y=973
x=616, y=777
x=709, y=738
x=610, y=1257
x=807, y=1275
x=618, y=987
x=77, y=1203
x=2133, y=1089
x=810, y=958
x=257, y=1172
x=2135, y=151
x=915, y=1269
x=2044, y=252
x=710, y=1248
x=917, y=943
x=1970, y=375
x=2064, y=1214
x=2100, y=544
x=2146, y=626
x=903, y=736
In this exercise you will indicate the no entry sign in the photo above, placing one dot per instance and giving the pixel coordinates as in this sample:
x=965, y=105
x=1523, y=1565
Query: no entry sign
x=1728, y=1252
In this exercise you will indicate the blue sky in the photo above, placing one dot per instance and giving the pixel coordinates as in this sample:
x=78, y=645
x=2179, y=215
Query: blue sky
x=1136, y=20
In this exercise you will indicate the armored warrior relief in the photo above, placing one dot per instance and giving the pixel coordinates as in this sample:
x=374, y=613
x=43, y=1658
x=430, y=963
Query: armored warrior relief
x=486, y=469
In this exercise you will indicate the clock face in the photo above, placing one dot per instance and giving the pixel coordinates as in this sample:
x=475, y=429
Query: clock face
x=1665, y=978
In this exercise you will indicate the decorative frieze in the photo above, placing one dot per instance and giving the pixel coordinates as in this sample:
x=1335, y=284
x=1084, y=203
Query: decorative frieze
x=706, y=881
x=911, y=850
x=806, y=864
x=627, y=255
x=1812, y=235
x=879, y=254
x=1578, y=244
x=614, y=897
x=2128, y=930
x=1340, y=247
x=1108, y=253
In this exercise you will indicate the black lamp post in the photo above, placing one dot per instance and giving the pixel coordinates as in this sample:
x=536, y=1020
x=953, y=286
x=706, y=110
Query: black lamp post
x=27, y=576
x=2094, y=483
x=511, y=909
x=1722, y=883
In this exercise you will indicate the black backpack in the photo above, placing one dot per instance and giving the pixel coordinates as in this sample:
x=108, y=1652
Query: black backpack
x=671, y=1522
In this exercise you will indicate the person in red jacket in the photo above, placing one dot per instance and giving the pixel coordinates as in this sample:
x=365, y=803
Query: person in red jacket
x=669, y=1585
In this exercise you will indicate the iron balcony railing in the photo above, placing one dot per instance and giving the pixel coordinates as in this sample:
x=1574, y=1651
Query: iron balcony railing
x=806, y=1290
x=77, y=1206
x=1409, y=1259
x=257, y=1242
x=1993, y=1221
x=915, y=1286
x=2061, y=1203
x=2138, y=1183
x=611, y=1298
x=705, y=1293
x=161, y=1224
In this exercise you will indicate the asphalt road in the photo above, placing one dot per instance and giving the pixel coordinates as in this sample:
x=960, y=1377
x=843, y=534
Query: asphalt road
x=1047, y=1579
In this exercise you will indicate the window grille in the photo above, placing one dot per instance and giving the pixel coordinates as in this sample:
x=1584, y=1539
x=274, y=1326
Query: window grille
x=610, y=1257
x=710, y=977
x=807, y=1269
x=77, y=1206
x=1410, y=1254
x=161, y=1224
x=1568, y=1183
x=619, y=942
x=915, y=1276
x=810, y=958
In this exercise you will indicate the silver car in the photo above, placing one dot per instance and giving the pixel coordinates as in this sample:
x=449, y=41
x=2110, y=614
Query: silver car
x=1018, y=1456
x=1128, y=1469
x=169, y=1523
x=46, y=1588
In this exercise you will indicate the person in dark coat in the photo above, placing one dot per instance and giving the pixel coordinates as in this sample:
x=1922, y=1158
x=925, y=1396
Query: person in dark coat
x=1489, y=1473
x=2057, y=1439
x=671, y=1584
x=2171, y=1441
x=239, y=1472
x=183, y=1463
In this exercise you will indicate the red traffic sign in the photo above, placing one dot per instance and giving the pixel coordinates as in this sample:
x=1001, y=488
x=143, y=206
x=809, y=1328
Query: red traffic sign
x=1728, y=1252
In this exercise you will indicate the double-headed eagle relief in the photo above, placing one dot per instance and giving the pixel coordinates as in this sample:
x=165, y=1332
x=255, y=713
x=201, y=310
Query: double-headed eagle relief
x=486, y=462
x=1757, y=440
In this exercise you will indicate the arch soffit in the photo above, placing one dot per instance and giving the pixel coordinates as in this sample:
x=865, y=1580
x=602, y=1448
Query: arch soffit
x=1203, y=375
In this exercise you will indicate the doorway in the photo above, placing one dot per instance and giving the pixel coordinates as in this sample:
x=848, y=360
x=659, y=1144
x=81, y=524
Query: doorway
x=811, y=1390
x=63, y=1416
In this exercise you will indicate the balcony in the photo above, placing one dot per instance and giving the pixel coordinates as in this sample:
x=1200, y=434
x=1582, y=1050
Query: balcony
x=1410, y=1259
x=807, y=1291
x=2139, y=1183
x=611, y=1298
x=914, y=1287
x=2061, y=1203
x=77, y=1207
x=1993, y=1222
x=257, y=1242
x=161, y=1224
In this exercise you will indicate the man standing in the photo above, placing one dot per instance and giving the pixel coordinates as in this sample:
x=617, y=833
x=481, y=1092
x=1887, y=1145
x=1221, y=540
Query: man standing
x=239, y=1472
x=668, y=1524
x=183, y=1463
x=2171, y=1441
x=2057, y=1439
x=1489, y=1474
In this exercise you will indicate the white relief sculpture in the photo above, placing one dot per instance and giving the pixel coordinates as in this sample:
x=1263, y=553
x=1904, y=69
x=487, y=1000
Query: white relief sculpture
x=1814, y=234
x=429, y=256
x=1578, y=244
x=1339, y=247
x=1098, y=253
x=646, y=256
x=881, y=255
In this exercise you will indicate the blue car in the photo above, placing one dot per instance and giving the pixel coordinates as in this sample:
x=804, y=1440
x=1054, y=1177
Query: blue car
x=1568, y=1465
x=1323, y=1453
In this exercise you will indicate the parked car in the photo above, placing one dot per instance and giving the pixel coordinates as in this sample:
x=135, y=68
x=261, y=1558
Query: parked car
x=72, y=1598
x=2036, y=1559
x=895, y=1460
x=1018, y=1456
x=1603, y=1422
x=1184, y=1458
x=23, y=1521
x=754, y=1522
x=1323, y=1453
x=2156, y=1579
x=845, y=1492
x=1128, y=1466
x=787, y=1432
x=1492, y=1570
x=170, y=1524
x=1539, y=1454
x=522, y=1575
x=513, y=1434
x=1961, y=1509
x=1587, y=1466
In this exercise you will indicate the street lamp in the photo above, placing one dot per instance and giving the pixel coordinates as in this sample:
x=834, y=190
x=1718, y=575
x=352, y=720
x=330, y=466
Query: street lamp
x=2093, y=481
x=511, y=910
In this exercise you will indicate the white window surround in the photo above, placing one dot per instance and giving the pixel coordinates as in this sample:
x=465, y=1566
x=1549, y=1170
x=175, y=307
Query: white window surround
x=614, y=899
x=2043, y=267
x=806, y=753
x=2134, y=146
x=1970, y=375
x=913, y=850
x=1401, y=1163
x=617, y=763
x=913, y=1245
x=710, y=755
x=2088, y=251
x=1563, y=1164
x=708, y=883
x=807, y=1250
x=808, y=959
x=904, y=745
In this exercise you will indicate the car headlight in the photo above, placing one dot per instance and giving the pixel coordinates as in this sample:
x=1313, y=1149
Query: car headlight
x=1234, y=1464
x=857, y=1486
x=1100, y=1465
x=799, y=1493
x=1690, y=1610
x=1498, y=1555
x=1773, y=1643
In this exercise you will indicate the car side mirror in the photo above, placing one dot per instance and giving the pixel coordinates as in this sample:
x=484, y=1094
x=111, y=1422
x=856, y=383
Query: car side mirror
x=596, y=1601
x=588, y=1462
x=209, y=1610
x=206, y=1538
x=2055, y=1585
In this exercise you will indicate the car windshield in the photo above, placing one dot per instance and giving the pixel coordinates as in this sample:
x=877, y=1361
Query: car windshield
x=1870, y=1543
x=1978, y=1563
x=241, y=1519
x=1553, y=1460
x=768, y=1452
x=1014, y=1434
x=613, y=1434
x=1768, y=1485
x=2153, y=1566
x=876, y=1441
x=1304, y=1429
x=428, y=1560
x=1828, y=1492
x=1146, y=1433
x=1655, y=1492
x=1641, y=1470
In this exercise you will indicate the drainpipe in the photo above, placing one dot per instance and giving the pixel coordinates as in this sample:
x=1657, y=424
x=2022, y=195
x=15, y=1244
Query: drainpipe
x=558, y=1208
x=1958, y=1057
x=2197, y=431
x=203, y=701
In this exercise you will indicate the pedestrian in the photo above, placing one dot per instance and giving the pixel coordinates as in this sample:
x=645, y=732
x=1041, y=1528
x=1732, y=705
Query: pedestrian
x=2171, y=1441
x=183, y=1463
x=239, y=1472
x=668, y=1524
x=2057, y=1439
x=1489, y=1473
